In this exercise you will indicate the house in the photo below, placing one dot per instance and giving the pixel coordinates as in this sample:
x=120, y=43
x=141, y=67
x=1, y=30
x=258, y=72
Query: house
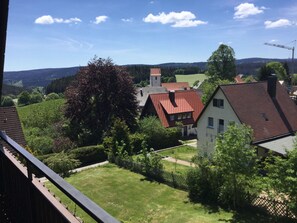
x=11, y=125
x=238, y=79
x=175, y=86
x=157, y=87
x=264, y=106
x=153, y=88
x=175, y=106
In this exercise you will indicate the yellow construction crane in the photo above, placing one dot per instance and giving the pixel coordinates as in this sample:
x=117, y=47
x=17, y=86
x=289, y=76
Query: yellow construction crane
x=288, y=48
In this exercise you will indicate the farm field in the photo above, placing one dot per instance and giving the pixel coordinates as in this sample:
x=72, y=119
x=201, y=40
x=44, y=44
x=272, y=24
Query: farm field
x=130, y=197
x=182, y=153
x=191, y=78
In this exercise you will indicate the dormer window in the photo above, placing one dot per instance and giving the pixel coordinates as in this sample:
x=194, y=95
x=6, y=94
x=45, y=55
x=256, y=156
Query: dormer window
x=219, y=103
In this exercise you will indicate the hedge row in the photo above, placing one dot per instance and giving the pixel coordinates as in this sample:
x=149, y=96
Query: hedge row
x=86, y=155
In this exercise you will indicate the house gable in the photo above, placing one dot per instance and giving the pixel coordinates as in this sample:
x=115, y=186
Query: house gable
x=264, y=106
x=221, y=116
x=185, y=108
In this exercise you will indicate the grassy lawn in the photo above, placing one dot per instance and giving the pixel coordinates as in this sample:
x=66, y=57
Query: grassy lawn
x=191, y=78
x=131, y=197
x=175, y=168
x=182, y=153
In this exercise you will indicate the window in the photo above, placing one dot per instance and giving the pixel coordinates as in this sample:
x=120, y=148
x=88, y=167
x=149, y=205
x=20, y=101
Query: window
x=218, y=103
x=210, y=122
x=221, y=126
x=171, y=117
x=184, y=116
x=189, y=115
x=156, y=78
x=179, y=116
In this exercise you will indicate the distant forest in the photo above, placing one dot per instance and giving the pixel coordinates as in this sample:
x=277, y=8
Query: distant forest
x=57, y=79
x=140, y=74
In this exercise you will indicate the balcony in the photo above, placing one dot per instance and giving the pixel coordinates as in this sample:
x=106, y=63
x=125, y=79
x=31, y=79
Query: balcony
x=23, y=198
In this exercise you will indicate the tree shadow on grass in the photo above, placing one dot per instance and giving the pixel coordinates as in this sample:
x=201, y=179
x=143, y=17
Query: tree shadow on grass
x=148, y=179
x=255, y=215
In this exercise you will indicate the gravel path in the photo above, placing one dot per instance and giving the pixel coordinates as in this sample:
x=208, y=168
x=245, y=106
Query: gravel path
x=181, y=162
x=44, y=179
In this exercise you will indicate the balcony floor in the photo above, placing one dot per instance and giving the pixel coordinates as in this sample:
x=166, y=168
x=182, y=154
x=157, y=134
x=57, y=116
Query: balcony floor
x=3, y=213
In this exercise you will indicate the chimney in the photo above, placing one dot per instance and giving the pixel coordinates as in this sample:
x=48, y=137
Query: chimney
x=141, y=92
x=271, y=85
x=172, y=96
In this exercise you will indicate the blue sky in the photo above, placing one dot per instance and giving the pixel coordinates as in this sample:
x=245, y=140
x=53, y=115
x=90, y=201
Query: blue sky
x=64, y=33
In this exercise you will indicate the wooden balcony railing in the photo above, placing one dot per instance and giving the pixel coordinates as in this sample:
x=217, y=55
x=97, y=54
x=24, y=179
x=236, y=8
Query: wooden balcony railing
x=27, y=200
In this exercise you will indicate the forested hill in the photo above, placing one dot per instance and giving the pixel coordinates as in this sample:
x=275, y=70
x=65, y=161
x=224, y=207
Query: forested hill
x=39, y=77
x=43, y=77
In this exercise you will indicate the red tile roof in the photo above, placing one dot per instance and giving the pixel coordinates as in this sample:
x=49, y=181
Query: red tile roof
x=185, y=101
x=268, y=117
x=10, y=123
x=176, y=86
x=155, y=71
x=180, y=106
x=238, y=79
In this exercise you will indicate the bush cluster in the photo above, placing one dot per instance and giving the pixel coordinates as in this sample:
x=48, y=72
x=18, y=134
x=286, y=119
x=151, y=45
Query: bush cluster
x=89, y=154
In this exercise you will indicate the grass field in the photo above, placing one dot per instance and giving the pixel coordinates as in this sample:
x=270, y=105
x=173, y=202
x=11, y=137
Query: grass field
x=175, y=168
x=130, y=197
x=182, y=153
x=191, y=78
x=42, y=114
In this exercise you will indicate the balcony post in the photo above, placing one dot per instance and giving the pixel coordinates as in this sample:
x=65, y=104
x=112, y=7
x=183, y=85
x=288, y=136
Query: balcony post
x=31, y=205
x=3, y=27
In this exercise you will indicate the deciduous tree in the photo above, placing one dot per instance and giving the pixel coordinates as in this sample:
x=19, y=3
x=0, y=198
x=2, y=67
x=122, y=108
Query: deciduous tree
x=221, y=64
x=236, y=160
x=209, y=86
x=282, y=177
x=100, y=93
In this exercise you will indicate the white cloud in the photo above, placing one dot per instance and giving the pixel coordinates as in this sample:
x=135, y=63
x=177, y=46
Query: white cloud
x=100, y=19
x=278, y=23
x=188, y=23
x=247, y=9
x=179, y=19
x=72, y=20
x=127, y=20
x=47, y=20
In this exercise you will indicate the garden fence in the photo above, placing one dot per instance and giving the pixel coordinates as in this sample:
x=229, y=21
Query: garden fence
x=169, y=178
x=271, y=206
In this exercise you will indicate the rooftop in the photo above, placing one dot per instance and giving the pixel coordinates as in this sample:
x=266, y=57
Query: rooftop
x=268, y=116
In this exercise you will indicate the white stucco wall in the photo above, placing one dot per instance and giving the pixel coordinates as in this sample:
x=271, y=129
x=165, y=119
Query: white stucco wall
x=206, y=136
x=190, y=131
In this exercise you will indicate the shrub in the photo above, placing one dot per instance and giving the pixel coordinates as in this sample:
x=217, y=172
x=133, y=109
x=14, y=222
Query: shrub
x=136, y=141
x=35, y=98
x=156, y=135
x=89, y=154
x=7, y=101
x=152, y=163
x=24, y=98
x=203, y=181
x=63, y=144
x=62, y=163
x=41, y=144
x=52, y=96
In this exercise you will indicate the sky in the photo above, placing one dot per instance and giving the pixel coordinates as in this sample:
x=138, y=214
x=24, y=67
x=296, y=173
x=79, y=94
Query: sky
x=66, y=33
